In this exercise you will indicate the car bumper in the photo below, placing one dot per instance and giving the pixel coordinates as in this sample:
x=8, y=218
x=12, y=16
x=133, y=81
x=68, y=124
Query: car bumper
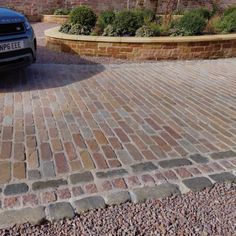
x=19, y=58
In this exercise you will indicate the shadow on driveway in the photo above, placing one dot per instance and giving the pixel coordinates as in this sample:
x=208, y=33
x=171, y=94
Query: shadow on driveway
x=46, y=76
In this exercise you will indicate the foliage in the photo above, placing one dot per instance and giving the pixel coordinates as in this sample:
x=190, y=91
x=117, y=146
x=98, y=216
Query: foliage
x=227, y=24
x=78, y=29
x=65, y=28
x=62, y=11
x=144, y=22
x=106, y=18
x=97, y=31
x=202, y=12
x=151, y=30
x=210, y=27
x=84, y=16
x=109, y=31
x=192, y=23
x=144, y=16
x=126, y=23
x=229, y=10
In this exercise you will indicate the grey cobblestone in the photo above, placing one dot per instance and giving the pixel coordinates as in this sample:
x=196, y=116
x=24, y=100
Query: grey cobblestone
x=48, y=184
x=174, y=163
x=198, y=158
x=60, y=210
x=223, y=155
x=160, y=191
x=143, y=167
x=198, y=183
x=31, y=215
x=13, y=189
x=117, y=198
x=81, y=177
x=111, y=173
x=222, y=177
x=48, y=169
x=89, y=203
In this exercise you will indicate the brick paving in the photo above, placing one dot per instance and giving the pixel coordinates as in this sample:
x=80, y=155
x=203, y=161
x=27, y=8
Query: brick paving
x=73, y=131
x=80, y=133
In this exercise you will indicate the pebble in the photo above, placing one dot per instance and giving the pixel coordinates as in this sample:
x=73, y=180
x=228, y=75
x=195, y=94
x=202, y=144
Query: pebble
x=209, y=212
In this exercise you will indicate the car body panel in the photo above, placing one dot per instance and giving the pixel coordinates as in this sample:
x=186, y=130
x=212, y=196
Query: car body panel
x=15, y=58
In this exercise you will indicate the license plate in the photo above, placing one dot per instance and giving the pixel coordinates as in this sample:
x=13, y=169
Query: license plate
x=11, y=46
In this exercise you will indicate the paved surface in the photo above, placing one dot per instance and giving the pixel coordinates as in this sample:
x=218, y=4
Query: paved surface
x=69, y=132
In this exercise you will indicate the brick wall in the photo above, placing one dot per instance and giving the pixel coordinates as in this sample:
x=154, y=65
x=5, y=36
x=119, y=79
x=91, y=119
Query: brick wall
x=208, y=49
x=33, y=8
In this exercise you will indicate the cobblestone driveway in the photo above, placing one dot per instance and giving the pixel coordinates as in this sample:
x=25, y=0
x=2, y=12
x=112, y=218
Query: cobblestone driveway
x=73, y=131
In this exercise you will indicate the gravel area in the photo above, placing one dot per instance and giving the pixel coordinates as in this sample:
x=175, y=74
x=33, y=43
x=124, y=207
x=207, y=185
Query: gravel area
x=210, y=212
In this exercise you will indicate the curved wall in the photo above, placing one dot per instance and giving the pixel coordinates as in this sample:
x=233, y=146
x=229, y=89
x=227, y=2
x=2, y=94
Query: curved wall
x=133, y=48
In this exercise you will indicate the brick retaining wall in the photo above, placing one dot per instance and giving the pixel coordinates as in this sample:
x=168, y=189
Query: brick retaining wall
x=34, y=8
x=161, y=48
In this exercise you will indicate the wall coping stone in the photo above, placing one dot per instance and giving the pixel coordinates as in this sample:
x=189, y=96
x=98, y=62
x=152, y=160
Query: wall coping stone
x=54, y=33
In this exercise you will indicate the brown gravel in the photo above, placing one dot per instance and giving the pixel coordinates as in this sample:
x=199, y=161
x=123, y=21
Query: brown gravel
x=210, y=212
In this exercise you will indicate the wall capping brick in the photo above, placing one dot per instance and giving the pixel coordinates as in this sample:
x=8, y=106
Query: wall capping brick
x=133, y=48
x=57, y=19
x=54, y=33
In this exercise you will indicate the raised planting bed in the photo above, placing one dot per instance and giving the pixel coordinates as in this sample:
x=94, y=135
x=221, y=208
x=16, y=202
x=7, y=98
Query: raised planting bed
x=154, y=48
x=57, y=19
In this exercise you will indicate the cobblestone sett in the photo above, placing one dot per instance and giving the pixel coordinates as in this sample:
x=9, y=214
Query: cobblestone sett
x=174, y=163
x=111, y=173
x=89, y=203
x=5, y=172
x=81, y=177
x=223, y=155
x=146, y=193
x=143, y=167
x=222, y=177
x=117, y=198
x=13, y=189
x=48, y=184
x=31, y=215
x=198, y=158
x=198, y=183
x=60, y=210
x=48, y=169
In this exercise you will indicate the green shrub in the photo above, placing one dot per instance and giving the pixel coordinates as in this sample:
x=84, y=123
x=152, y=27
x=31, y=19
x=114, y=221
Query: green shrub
x=206, y=14
x=229, y=10
x=97, y=31
x=227, y=24
x=84, y=16
x=106, y=18
x=144, y=16
x=151, y=30
x=65, y=28
x=78, y=29
x=126, y=23
x=109, y=31
x=191, y=23
x=62, y=11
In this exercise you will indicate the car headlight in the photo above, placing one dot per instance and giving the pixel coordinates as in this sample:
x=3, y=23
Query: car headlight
x=27, y=25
